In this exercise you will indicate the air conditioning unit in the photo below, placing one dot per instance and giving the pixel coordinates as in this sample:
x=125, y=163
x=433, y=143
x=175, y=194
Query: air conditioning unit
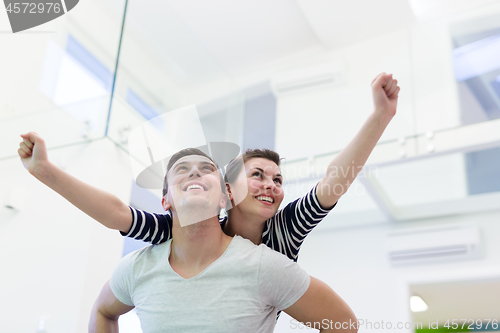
x=310, y=77
x=432, y=245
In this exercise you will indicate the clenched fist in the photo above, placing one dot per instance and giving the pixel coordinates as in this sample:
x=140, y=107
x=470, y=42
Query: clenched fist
x=385, y=92
x=33, y=152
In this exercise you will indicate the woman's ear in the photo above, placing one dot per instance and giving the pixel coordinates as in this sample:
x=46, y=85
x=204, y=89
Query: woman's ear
x=228, y=190
x=229, y=202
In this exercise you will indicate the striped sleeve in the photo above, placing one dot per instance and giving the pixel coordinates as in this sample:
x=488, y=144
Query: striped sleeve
x=286, y=230
x=150, y=227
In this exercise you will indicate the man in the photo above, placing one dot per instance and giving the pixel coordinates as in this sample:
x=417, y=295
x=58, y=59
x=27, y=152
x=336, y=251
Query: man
x=205, y=281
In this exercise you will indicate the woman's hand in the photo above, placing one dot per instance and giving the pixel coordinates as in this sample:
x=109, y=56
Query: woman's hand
x=33, y=152
x=385, y=92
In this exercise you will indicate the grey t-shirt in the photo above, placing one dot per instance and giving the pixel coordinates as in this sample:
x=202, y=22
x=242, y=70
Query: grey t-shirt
x=239, y=292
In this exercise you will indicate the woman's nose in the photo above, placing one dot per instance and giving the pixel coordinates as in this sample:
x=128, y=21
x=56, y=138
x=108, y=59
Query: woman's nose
x=269, y=183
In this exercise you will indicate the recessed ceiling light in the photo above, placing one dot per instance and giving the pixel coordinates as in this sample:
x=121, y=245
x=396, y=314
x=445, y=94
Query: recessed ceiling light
x=417, y=304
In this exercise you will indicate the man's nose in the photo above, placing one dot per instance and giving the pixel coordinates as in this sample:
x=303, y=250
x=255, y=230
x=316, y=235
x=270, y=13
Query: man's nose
x=194, y=172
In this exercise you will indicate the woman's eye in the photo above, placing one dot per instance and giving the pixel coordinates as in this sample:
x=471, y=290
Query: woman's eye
x=277, y=180
x=209, y=168
x=256, y=174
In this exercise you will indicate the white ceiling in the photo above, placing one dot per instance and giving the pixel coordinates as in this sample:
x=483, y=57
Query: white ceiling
x=239, y=37
x=338, y=22
x=246, y=34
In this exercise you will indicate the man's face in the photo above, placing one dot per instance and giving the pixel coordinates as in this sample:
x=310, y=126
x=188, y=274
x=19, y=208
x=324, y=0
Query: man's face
x=263, y=180
x=194, y=189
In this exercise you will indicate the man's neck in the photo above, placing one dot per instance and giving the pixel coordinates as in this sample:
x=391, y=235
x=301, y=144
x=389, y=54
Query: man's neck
x=196, y=246
x=249, y=227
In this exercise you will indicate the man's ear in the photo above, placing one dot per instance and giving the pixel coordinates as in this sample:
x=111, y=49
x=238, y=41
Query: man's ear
x=223, y=201
x=166, y=205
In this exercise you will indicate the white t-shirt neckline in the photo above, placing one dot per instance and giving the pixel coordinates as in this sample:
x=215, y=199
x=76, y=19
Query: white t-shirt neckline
x=194, y=278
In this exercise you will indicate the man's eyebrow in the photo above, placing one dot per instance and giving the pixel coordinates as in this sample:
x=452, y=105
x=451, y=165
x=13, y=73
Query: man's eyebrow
x=202, y=162
x=209, y=163
x=180, y=164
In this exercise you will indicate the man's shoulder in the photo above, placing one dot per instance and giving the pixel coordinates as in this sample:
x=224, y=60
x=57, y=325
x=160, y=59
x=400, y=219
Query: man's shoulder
x=243, y=251
x=146, y=253
x=242, y=244
x=270, y=257
x=261, y=251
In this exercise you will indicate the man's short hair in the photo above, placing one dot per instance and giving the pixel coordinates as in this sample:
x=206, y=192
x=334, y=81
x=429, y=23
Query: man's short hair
x=188, y=152
x=235, y=166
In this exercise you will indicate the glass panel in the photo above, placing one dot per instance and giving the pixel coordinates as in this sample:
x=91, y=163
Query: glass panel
x=456, y=69
x=56, y=78
x=422, y=181
x=476, y=64
x=164, y=67
x=442, y=178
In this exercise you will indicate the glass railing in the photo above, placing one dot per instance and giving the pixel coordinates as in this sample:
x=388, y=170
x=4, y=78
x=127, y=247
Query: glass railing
x=163, y=67
x=67, y=91
x=57, y=77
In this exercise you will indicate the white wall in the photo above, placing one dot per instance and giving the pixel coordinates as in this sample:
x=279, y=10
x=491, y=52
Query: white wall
x=56, y=259
x=323, y=120
x=355, y=264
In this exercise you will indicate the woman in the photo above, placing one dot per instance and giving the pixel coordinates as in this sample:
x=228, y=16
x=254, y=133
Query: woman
x=256, y=216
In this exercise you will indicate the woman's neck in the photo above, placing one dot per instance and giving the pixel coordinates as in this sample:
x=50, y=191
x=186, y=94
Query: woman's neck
x=249, y=227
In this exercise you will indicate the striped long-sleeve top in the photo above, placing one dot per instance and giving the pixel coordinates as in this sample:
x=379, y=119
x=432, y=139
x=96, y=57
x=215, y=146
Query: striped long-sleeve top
x=284, y=232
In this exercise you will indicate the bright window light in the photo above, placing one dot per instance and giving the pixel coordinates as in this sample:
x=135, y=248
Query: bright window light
x=75, y=83
x=144, y=109
x=477, y=58
x=72, y=86
x=417, y=304
x=91, y=63
x=129, y=323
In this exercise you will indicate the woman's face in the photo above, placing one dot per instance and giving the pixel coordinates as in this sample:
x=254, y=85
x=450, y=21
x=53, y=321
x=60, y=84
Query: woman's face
x=263, y=179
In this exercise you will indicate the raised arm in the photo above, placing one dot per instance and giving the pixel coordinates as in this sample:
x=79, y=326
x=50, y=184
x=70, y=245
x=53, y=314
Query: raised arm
x=344, y=168
x=323, y=309
x=102, y=206
x=105, y=313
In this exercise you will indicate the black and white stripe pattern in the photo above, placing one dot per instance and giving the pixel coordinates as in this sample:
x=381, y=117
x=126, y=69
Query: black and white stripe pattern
x=284, y=232
x=150, y=227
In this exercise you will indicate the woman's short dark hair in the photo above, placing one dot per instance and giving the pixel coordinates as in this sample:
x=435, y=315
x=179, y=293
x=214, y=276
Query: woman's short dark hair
x=235, y=166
